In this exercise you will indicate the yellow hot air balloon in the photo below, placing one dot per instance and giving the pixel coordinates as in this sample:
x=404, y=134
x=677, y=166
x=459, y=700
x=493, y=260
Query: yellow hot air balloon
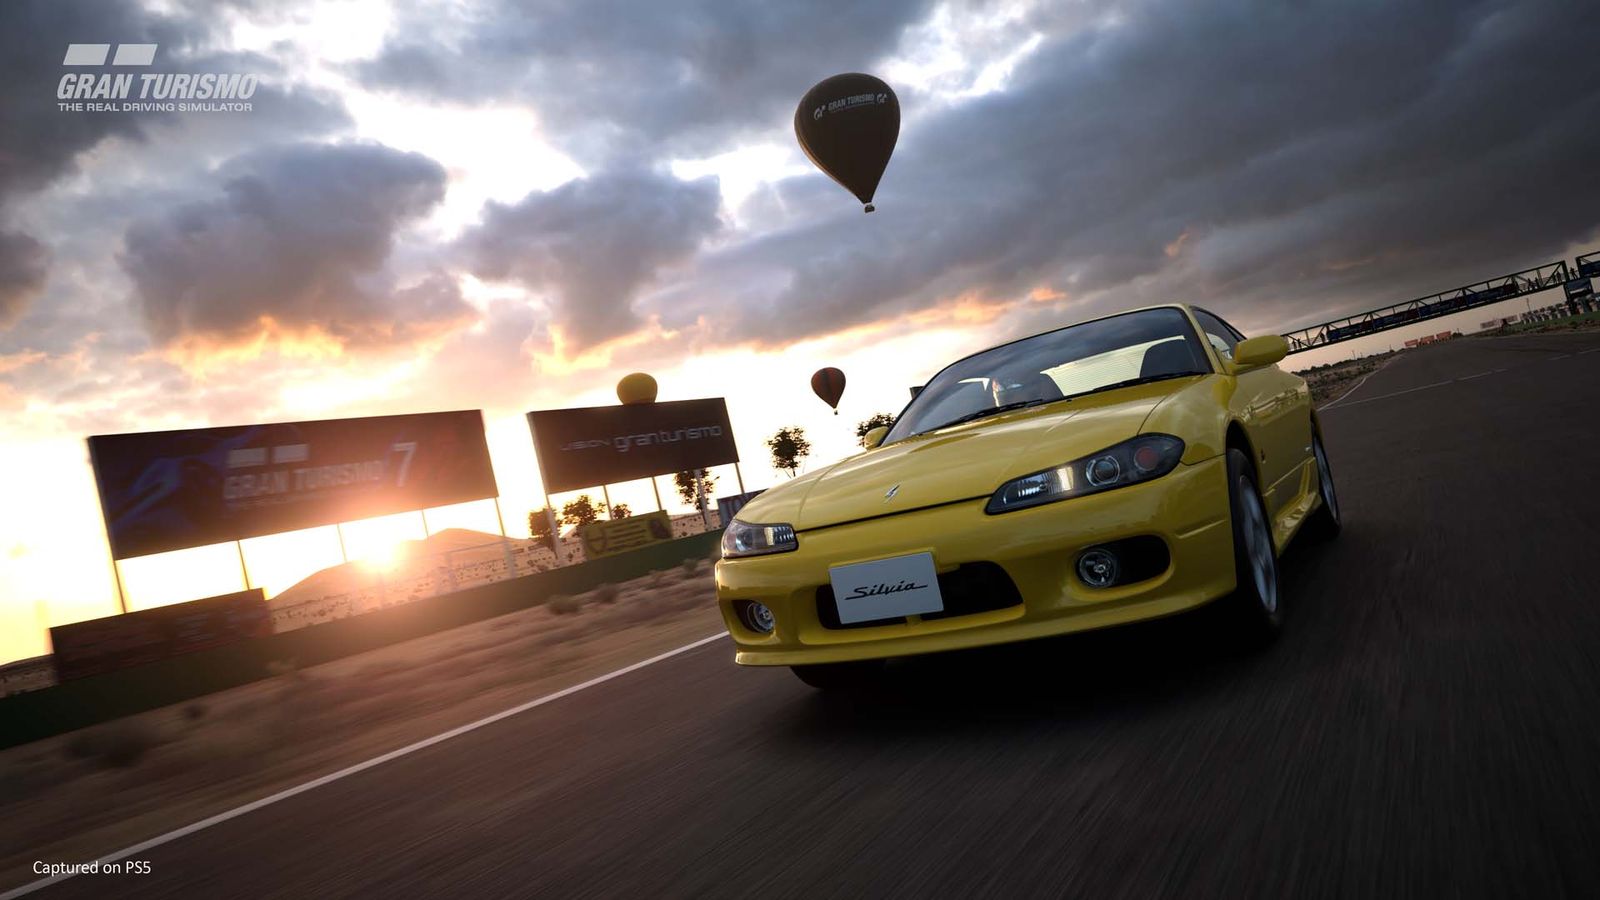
x=636, y=387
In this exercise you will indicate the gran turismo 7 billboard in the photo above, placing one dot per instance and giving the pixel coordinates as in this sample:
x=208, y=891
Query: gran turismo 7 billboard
x=586, y=446
x=167, y=490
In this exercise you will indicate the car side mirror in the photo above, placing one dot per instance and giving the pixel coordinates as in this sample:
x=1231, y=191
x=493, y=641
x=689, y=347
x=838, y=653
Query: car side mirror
x=1259, y=351
x=875, y=437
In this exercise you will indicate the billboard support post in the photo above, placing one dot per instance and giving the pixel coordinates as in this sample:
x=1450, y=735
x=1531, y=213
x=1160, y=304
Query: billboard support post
x=116, y=573
x=339, y=530
x=425, y=533
x=505, y=542
x=243, y=569
x=660, y=507
x=605, y=495
x=739, y=477
x=555, y=528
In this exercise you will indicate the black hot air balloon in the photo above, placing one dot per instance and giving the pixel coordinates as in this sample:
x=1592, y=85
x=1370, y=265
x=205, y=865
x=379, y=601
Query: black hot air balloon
x=847, y=125
x=829, y=385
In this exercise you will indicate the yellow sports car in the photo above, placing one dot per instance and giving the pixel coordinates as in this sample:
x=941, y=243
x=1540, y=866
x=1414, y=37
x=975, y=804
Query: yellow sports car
x=1119, y=469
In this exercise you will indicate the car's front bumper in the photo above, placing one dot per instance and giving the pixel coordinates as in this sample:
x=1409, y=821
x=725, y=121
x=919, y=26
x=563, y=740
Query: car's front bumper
x=1038, y=548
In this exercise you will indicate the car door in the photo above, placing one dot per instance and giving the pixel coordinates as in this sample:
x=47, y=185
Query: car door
x=1268, y=401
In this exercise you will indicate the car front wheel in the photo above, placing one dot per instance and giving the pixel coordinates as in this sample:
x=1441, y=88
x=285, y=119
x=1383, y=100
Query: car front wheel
x=1327, y=520
x=1253, y=610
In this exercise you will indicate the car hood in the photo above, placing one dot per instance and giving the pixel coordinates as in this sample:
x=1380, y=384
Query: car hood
x=959, y=463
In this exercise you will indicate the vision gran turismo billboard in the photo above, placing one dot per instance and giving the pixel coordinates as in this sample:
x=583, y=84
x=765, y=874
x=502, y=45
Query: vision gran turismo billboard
x=167, y=490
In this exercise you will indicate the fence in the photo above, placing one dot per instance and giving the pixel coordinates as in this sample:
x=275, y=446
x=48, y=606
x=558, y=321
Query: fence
x=98, y=698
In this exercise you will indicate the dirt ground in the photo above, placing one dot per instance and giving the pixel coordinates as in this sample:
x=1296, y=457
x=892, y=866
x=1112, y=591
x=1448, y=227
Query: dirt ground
x=77, y=796
x=1330, y=382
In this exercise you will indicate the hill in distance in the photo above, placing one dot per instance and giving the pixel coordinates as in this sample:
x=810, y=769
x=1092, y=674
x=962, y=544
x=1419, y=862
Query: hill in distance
x=412, y=559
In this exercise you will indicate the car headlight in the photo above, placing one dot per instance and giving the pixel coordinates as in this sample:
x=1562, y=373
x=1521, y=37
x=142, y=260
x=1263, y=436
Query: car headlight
x=744, y=539
x=1130, y=462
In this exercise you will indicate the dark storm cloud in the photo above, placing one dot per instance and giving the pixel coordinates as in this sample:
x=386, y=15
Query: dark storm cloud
x=594, y=243
x=39, y=143
x=23, y=262
x=625, y=79
x=299, y=237
x=1281, y=163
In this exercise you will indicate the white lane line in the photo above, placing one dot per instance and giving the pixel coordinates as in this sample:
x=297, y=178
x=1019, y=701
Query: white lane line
x=362, y=767
x=1590, y=350
x=1422, y=388
x=1340, y=398
x=1359, y=402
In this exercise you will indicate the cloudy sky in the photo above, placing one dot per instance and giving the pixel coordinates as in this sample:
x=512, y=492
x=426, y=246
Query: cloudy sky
x=506, y=206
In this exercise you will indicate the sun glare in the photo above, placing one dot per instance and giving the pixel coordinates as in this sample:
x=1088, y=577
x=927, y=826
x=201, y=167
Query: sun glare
x=379, y=544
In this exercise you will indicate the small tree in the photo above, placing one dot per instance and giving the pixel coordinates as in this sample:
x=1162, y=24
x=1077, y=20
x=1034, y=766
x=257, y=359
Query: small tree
x=620, y=511
x=539, y=528
x=876, y=420
x=684, y=481
x=789, y=449
x=582, y=511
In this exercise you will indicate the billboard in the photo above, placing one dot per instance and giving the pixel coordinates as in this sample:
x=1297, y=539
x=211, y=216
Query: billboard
x=117, y=642
x=167, y=490
x=610, y=537
x=728, y=507
x=586, y=446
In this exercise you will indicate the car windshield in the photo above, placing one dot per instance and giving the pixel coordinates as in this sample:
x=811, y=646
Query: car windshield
x=1124, y=350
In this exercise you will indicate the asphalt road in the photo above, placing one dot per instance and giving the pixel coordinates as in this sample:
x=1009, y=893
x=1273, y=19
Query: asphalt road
x=1427, y=726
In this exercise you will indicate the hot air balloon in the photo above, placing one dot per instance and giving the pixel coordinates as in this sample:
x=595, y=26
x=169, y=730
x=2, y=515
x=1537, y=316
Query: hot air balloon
x=636, y=388
x=847, y=125
x=829, y=385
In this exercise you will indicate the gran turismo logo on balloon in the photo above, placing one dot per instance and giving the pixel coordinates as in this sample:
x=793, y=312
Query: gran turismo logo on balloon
x=115, y=91
x=850, y=102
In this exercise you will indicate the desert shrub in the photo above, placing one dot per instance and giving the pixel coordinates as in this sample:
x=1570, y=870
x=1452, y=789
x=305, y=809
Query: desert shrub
x=195, y=711
x=691, y=566
x=562, y=605
x=606, y=593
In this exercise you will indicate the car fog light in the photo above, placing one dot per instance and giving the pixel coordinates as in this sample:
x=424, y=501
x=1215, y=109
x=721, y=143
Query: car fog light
x=757, y=617
x=1098, y=568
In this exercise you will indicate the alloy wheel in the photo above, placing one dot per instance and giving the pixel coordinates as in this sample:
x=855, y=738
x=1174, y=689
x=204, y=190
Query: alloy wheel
x=1325, y=479
x=1258, y=546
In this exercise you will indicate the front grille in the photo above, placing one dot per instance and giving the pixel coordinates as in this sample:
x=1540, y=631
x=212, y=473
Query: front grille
x=972, y=588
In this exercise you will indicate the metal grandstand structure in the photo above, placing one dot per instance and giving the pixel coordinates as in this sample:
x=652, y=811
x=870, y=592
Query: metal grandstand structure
x=1481, y=293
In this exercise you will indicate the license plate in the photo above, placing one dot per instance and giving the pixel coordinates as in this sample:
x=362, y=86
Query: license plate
x=886, y=588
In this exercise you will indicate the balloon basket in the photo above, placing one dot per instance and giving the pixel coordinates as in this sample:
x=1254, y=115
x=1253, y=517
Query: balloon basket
x=869, y=208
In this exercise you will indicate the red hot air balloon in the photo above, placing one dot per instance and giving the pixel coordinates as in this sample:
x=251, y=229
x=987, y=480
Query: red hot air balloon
x=847, y=126
x=829, y=385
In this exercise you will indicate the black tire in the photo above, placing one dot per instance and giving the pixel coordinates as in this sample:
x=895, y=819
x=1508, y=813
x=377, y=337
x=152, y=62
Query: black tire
x=1325, y=523
x=1253, y=613
x=845, y=676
